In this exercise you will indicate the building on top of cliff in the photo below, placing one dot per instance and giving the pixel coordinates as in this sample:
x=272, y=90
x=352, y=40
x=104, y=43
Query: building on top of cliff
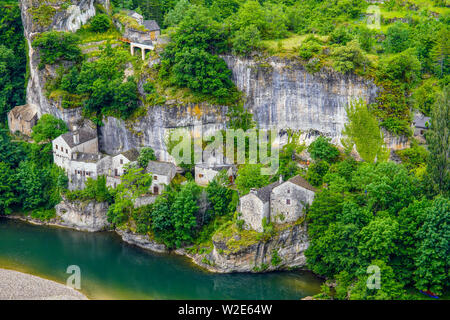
x=279, y=202
x=162, y=174
x=421, y=125
x=153, y=28
x=23, y=119
x=205, y=173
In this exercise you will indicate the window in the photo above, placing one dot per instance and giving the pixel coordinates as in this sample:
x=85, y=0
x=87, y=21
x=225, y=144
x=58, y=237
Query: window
x=121, y=161
x=116, y=172
x=67, y=151
x=288, y=190
x=155, y=177
x=200, y=175
x=56, y=147
x=288, y=201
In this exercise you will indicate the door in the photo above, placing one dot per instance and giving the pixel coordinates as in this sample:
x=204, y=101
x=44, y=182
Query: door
x=155, y=190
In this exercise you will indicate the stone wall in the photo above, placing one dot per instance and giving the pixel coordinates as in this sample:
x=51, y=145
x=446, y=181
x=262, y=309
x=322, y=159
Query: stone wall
x=253, y=210
x=84, y=216
x=280, y=211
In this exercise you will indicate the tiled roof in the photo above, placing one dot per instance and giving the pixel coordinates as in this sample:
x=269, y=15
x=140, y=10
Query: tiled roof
x=84, y=136
x=162, y=168
x=26, y=112
x=420, y=121
x=131, y=154
x=264, y=192
x=300, y=181
x=151, y=25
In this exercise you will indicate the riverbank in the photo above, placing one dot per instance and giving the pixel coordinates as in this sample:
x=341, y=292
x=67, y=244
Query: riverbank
x=16, y=285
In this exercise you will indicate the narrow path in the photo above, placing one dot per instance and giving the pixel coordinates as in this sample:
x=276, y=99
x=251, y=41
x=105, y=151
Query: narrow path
x=16, y=285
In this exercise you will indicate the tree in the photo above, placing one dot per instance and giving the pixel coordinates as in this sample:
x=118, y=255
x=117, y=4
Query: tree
x=249, y=176
x=246, y=40
x=349, y=57
x=9, y=80
x=100, y=23
x=377, y=239
x=433, y=258
x=55, y=46
x=219, y=196
x=363, y=132
x=184, y=211
x=390, y=287
x=438, y=139
x=146, y=154
x=135, y=182
x=7, y=196
x=397, y=38
x=440, y=52
x=322, y=149
x=174, y=16
x=316, y=172
x=48, y=128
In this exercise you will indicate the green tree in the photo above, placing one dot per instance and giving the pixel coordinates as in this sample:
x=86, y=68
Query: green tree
x=433, y=258
x=322, y=149
x=398, y=38
x=100, y=23
x=174, y=16
x=249, y=176
x=246, y=40
x=7, y=196
x=55, y=46
x=146, y=154
x=363, y=132
x=438, y=139
x=48, y=128
x=219, y=196
x=10, y=78
x=390, y=288
x=185, y=209
x=349, y=57
x=440, y=52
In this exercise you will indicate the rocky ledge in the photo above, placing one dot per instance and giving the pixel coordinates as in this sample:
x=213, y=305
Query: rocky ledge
x=141, y=241
x=84, y=216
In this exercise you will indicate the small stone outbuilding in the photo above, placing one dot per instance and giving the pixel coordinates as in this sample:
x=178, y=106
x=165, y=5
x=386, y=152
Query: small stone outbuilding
x=23, y=119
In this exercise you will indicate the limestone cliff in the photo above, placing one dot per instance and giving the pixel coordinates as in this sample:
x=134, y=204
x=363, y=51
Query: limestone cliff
x=60, y=15
x=237, y=253
x=84, y=216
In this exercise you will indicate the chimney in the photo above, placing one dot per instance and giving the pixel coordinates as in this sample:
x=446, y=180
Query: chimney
x=253, y=191
x=76, y=135
x=281, y=179
x=74, y=156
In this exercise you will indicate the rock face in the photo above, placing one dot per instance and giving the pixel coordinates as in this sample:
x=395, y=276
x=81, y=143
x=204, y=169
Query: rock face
x=282, y=94
x=288, y=245
x=83, y=216
x=141, y=241
x=154, y=127
x=62, y=16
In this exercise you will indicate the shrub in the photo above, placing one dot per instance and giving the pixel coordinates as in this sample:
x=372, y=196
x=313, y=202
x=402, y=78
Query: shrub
x=349, y=57
x=55, y=46
x=100, y=23
x=322, y=149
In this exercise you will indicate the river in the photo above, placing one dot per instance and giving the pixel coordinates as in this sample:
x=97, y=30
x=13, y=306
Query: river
x=112, y=269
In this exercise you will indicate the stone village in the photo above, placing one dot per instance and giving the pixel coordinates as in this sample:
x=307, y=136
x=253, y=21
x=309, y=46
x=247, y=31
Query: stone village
x=77, y=152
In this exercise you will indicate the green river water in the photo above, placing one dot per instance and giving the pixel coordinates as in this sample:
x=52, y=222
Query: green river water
x=112, y=269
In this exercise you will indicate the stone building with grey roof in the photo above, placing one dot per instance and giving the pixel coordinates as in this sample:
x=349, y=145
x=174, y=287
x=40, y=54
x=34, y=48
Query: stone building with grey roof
x=278, y=203
x=162, y=174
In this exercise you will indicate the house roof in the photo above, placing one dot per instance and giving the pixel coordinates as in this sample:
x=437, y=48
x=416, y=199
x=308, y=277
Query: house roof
x=26, y=112
x=218, y=167
x=420, y=121
x=151, y=25
x=131, y=154
x=300, y=181
x=84, y=136
x=264, y=192
x=162, y=168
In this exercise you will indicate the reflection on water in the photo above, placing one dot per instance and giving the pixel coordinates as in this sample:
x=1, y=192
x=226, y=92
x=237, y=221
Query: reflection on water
x=111, y=268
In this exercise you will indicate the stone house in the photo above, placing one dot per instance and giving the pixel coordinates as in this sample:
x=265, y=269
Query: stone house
x=153, y=28
x=279, y=202
x=116, y=167
x=84, y=166
x=255, y=206
x=77, y=141
x=288, y=200
x=162, y=174
x=420, y=124
x=204, y=173
x=22, y=119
